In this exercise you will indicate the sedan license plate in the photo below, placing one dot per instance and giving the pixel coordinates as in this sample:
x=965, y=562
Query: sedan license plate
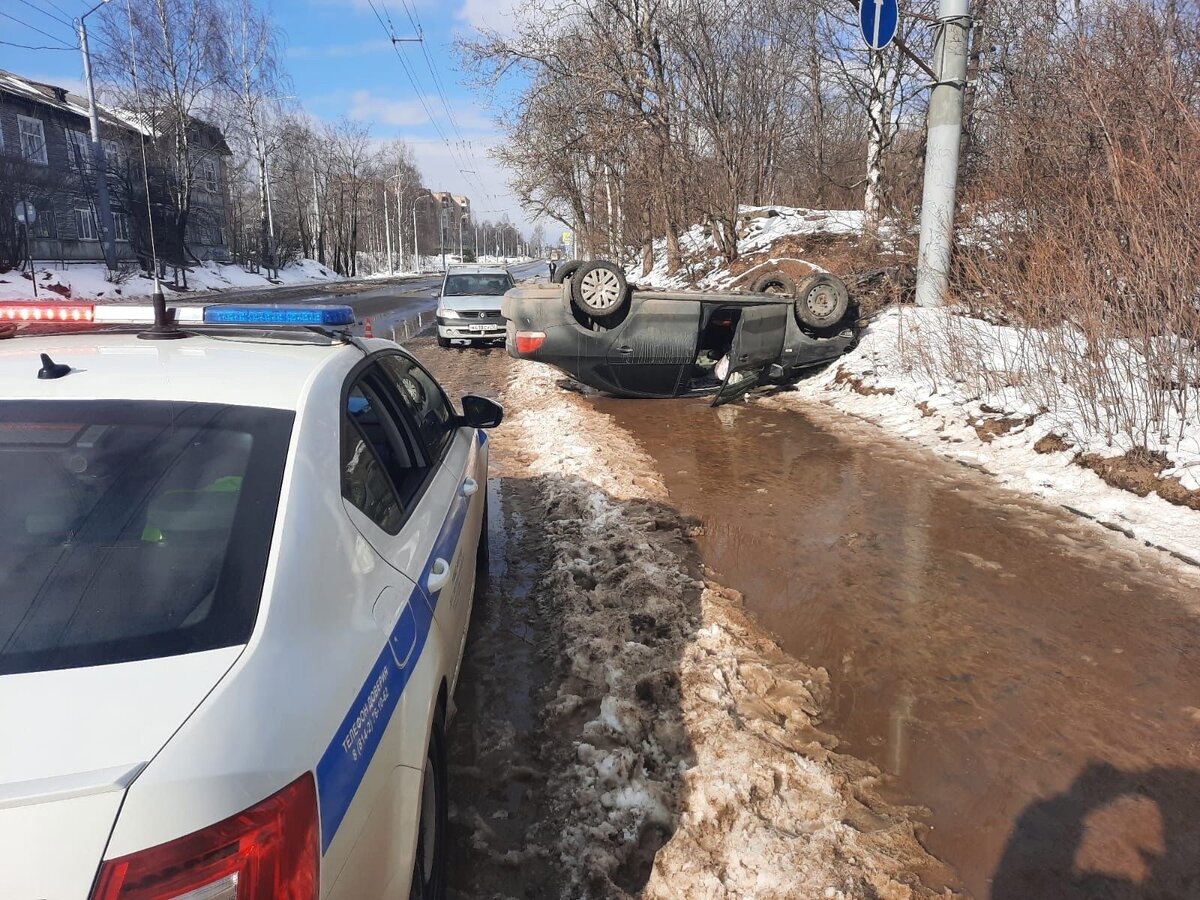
x=479, y=328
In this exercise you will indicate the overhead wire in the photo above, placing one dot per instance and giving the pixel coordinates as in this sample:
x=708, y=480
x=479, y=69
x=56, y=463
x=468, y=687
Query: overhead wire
x=30, y=47
x=35, y=28
x=385, y=22
x=461, y=152
x=466, y=147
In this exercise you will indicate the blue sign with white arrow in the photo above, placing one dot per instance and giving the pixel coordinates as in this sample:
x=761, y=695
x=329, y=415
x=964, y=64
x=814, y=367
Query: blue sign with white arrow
x=878, y=21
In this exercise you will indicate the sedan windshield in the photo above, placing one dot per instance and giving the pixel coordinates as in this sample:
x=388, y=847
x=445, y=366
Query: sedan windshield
x=131, y=530
x=476, y=284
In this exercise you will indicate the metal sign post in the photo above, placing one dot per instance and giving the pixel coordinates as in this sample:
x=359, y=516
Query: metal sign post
x=944, y=124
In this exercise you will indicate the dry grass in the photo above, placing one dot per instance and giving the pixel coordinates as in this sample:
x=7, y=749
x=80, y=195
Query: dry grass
x=1140, y=472
x=857, y=385
x=1052, y=443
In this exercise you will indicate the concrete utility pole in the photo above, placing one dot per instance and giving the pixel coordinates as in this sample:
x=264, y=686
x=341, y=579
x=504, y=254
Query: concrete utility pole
x=108, y=236
x=416, y=247
x=944, y=123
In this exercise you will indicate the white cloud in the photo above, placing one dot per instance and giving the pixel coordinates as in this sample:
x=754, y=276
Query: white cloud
x=340, y=51
x=367, y=107
x=493, y=15
x=487, y=187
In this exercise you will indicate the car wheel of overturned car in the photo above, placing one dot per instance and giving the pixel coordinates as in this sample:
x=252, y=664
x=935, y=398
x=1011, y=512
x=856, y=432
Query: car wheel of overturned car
x=774, y=283
x=429, y=866
x=822, y=301
x=599, y=288
x=565, y=271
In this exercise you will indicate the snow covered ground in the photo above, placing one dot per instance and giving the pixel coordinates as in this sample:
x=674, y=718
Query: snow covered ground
x=89, y=281
x=1012, y=413
x=762, y=227
x=677, y=720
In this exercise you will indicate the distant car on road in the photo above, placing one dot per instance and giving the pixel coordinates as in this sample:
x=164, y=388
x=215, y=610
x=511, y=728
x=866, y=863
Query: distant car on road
x=643, y=343
x=237, y=571
x=469, y=307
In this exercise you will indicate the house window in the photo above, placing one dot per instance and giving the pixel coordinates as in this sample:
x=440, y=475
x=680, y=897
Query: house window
x=207, y=174
x=79, y=150
x=44, y=226
x=114, y=155
x=121, y=226
x=85, y=224
x=33, y=139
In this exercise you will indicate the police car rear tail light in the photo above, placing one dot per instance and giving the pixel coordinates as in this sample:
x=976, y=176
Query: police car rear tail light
x=268, y=851
x=278, y=315
x=46, y=312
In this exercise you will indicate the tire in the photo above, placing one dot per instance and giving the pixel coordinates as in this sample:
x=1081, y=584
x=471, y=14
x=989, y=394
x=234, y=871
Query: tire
x=822, y=301
x=599, y=289
x=774, y=283
x=443, y=342
x=565, y=271
x=429, y=866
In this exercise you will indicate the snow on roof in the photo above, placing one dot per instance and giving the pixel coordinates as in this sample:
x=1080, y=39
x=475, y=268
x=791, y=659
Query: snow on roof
x=65, y=101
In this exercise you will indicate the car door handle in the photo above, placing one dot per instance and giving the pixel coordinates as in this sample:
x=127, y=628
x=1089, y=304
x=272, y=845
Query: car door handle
x=624, y=349
x=469, y=486
x=438, y=576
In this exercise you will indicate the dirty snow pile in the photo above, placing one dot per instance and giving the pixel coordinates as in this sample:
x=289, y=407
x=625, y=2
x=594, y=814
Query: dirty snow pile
x=1000, y=399
x=760, y=227
x=89, y=281
x=676, y=725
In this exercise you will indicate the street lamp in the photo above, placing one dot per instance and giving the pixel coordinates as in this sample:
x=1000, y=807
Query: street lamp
x=108, y=240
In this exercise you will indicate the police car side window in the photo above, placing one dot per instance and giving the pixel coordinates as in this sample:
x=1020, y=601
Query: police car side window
x=365, y=480
x=425, y=400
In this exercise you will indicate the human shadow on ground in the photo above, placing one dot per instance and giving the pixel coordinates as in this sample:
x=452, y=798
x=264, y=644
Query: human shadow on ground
x=1041, y=858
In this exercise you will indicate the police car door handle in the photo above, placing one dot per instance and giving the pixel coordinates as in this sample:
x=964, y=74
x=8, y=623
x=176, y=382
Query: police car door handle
x=438, y=576
x=469, y=486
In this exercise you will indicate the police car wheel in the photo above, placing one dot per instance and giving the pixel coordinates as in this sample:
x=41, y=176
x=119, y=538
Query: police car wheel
x=429, y=867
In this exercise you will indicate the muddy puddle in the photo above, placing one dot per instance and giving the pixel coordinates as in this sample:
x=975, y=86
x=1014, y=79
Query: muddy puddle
x=1031, y=680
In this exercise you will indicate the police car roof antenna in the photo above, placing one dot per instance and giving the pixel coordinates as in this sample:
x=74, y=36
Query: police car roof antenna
x=164, y=328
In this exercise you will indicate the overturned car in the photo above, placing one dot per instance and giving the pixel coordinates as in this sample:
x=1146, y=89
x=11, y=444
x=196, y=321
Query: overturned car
x=590, y=323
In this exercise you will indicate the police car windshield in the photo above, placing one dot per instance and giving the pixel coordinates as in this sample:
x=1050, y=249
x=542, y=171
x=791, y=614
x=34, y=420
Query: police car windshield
x=132, y=530
x=475, y=284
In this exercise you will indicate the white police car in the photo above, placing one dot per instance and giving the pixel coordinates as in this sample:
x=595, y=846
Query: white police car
x=236, y=572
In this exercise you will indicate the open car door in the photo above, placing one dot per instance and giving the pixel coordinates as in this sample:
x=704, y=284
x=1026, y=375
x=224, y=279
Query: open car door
x=757, y=343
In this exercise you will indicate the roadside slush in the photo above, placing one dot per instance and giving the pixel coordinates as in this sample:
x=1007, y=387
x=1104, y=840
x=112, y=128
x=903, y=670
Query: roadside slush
x=661, y=745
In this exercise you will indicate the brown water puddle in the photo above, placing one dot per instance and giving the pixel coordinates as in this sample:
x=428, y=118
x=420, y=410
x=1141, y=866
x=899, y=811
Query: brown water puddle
x=1031, y=680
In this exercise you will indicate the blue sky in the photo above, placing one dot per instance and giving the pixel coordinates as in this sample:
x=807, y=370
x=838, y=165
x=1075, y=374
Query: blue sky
x=341, y=63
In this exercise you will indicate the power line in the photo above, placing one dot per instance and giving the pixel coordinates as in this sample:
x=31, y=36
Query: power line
x=46, y=12
x=38, y=30
x=28, y=47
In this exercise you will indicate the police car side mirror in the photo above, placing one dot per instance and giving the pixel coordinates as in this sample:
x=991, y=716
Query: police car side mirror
x=480, y=412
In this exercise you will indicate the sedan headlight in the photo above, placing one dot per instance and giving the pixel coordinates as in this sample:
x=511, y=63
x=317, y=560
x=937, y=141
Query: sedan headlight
x=446, y=313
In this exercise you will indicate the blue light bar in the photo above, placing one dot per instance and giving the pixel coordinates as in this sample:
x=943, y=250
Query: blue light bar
x=278, y=315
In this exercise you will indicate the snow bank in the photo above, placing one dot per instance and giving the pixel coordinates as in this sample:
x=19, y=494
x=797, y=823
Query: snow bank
x=88, y=281
x=676, y=719
x=760, y=228
x=905, y=377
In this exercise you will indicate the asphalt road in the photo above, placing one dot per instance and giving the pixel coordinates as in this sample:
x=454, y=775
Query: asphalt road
x=388, y=302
